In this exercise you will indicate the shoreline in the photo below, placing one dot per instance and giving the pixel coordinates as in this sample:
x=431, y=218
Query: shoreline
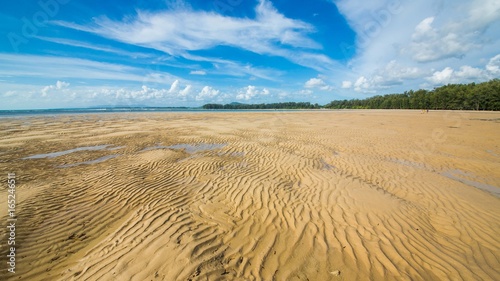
x=71, y=112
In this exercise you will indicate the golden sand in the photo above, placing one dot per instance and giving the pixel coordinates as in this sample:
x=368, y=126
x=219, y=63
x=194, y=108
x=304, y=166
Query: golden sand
x=329, y=195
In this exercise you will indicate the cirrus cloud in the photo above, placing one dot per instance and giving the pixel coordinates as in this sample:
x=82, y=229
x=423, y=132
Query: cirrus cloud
x=180, y=30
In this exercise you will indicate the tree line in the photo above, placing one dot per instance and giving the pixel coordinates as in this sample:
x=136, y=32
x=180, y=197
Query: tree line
x=482, y=96
x=280, y=105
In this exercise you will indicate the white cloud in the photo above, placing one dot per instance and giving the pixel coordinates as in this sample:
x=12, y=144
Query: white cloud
x=395, y=74
x=250, y=92
x=430, y=44
x=207, y=93
x=415, y=41
x=186, y=91
x=464, y=75
x=231, y=68
x=174, y=87
x=346, y=84
x=391, y=74
x=493, y=65
x=79, y=44
x=306, y=92
x=59, y=67
x=58, y=86
x=317, y=83
x=361, y=84
x=314, y=83
x=423, y=27
x=9, y=94
x=131, y=96
x=61, y=84
x=394, y=71
x=442, y=77
x=468, y=72
x=62, y=94
x=198, y=72
x=181, y=29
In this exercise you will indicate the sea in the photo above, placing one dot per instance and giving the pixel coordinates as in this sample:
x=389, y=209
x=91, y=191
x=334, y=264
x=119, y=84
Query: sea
x=73, y=111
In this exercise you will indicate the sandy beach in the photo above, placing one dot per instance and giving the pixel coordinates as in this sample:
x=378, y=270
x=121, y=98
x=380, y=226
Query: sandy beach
x=311, y=195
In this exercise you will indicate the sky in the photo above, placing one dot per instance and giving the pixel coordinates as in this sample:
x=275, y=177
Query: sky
x=75, y=53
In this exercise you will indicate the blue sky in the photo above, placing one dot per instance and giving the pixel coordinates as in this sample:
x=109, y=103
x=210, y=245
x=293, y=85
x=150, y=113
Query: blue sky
x=73, y=53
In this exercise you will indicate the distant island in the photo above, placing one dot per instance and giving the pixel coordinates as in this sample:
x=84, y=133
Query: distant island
x=482, y=96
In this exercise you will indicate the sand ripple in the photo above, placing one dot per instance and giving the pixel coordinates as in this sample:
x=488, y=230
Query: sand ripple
x=255, y=196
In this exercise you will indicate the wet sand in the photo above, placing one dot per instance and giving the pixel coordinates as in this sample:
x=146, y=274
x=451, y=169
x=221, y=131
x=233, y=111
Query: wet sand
x=327, y=195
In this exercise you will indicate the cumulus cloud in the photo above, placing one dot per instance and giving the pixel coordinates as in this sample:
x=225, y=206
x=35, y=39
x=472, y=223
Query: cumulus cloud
x=63, y=94
x=395, y=74
x=394, y=71
x=362, y=84
x=250, y=92
x=306, y=92
x=416, y=41
x=442, y=36
x=58, y=86
x=61, y=84
x=314, y=82
x=207, y=93
x=317, y=83
x=346, y=84
x=493, y=65
x=391, y=74
x=186, y=91
x=471, y=73
x=145, y=93
x=463, y=75
x=442, y=77
x=174, y=87
x=429, y=43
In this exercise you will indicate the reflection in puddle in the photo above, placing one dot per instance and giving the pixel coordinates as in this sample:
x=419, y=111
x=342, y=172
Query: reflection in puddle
x=60, y=153
x=84, y=148
x=459, y=175
x=98, y=160
x=115, y=148
x=189, y=148
x=154, y=147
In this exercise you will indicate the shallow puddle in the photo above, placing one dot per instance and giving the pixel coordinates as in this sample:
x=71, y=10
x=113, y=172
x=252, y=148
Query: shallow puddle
x=60, y=153
x=459, y=174
x=189, y=148
x=98, y=160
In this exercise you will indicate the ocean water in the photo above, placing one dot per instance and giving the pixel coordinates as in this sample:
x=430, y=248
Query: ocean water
x=73, y=111
x=24, y=112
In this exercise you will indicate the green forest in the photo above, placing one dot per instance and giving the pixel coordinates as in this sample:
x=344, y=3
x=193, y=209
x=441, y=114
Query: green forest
x=281, y=105
x=481, y=96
